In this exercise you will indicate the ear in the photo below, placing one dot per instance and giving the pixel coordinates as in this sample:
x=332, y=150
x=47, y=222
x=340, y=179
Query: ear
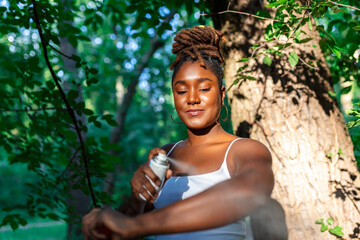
x=222, y=93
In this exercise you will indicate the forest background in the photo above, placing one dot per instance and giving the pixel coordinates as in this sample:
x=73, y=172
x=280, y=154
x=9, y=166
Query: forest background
x=92, y=105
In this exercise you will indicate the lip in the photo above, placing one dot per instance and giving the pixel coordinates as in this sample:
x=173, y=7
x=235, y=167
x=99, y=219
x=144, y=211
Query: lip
x=194, y=112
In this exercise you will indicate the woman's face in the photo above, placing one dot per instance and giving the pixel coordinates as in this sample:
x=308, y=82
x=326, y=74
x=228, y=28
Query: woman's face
x=198, y=99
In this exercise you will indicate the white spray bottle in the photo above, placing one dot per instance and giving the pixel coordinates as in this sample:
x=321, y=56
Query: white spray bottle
x=159, y=164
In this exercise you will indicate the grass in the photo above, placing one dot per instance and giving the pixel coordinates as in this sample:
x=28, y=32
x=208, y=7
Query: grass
x=36, y=231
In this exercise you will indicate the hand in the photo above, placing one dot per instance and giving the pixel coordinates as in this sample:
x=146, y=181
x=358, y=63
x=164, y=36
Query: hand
x=140, y=184
x=91, y=223
x=105, y=224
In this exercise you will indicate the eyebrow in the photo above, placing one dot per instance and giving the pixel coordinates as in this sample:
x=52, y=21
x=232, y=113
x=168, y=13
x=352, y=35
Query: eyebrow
x=199, y=80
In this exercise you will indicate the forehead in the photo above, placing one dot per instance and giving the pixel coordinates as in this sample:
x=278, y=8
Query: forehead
x=192, y=71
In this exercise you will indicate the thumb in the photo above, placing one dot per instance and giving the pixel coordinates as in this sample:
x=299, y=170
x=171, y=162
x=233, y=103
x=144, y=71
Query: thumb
x=169, y=173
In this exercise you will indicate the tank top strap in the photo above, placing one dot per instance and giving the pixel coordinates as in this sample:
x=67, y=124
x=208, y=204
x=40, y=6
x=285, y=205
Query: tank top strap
x=173, y=147
x=224, y=164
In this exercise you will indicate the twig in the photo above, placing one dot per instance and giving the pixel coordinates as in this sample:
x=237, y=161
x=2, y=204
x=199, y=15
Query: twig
x=296, y=27
x=305, y=63
x=63, y=96
x=344, y=5
x=32, y=110
x=65, y=170
x=61, y=53
x=243, y=13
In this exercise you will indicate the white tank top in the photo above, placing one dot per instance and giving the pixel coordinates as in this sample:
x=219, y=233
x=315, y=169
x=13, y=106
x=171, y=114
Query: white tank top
x=181, y=187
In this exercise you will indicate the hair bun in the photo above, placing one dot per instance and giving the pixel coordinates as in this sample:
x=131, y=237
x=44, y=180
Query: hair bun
x=197, y=40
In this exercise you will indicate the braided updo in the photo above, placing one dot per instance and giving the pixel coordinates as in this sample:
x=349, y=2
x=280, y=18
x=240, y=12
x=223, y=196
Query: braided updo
x=201, y=44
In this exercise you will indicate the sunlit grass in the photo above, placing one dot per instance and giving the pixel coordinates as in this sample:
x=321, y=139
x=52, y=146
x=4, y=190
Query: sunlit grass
x=36, y=231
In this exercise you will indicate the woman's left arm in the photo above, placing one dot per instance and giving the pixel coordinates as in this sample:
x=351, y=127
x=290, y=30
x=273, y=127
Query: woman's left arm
x=250, y=186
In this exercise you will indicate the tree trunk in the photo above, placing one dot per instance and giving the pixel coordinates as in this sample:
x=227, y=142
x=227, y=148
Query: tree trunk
x=116, y=132
x=79, y=202
x=290, y=111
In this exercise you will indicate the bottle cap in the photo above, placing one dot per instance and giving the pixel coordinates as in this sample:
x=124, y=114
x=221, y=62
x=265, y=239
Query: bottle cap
x=161, y=159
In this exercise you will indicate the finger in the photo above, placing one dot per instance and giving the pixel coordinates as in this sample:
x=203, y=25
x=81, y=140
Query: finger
x=155, y=151
x=151, y=186
x=146, y=195
x=150, y=174
x=95, y=234
x=169, y=173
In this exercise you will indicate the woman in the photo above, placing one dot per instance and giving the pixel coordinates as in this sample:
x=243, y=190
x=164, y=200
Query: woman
x=227, y=177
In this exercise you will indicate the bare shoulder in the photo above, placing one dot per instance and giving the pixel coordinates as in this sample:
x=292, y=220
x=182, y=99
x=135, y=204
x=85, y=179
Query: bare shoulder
x=168, y=147
x=248, y=152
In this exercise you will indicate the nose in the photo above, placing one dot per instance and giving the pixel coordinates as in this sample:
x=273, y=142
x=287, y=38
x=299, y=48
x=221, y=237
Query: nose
x=193, y=97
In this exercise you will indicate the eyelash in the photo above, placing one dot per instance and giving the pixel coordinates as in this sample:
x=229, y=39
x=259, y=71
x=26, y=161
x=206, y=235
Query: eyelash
x=201, y=90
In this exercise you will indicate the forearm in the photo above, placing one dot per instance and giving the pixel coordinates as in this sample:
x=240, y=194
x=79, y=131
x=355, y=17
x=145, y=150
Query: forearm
x=217, y=206
x=133, y=206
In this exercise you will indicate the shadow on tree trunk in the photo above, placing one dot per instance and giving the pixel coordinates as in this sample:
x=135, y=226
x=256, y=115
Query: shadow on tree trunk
x=268, y=222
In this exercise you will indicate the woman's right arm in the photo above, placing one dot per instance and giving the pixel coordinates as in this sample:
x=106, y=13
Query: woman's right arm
x=135, y=205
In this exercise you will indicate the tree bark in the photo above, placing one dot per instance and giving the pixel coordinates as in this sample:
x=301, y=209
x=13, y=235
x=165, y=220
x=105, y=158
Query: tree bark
x=79, y=202
x=290, y=111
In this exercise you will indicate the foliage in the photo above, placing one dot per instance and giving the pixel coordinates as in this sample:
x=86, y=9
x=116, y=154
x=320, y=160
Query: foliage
x=337, y=231
x=338, y=26
x=37, y=127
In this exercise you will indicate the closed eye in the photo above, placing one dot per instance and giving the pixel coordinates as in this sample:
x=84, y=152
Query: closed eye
x=181, y=92
x=205, y=89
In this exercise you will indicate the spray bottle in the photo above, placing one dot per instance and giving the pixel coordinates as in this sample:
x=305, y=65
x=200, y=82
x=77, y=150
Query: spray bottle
x=159, y=164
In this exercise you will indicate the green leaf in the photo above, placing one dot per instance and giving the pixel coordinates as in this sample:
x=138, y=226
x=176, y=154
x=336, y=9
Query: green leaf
x=353, y=123
x=319, y=221
x=324, y=227
x=243, y=59
x=70, y=135
x=346, y=90
x=278, y=3
x=293, y=59
x=330, y=221
x=92, y=118
x=22, y=221
x=97, y=124
x=263, y=14
x=14, y=225
x=112, y=122
x=50, y=85
x=328, y=155
x=267, y=60
x=52, y=216
x=88, y=111
x=332, y=94
x=242, y=68
x=353, y=112
x=76, y=58
x=270, y=50
x=305, y=40
x=251, y=78
x=297, y=34
x=340, y=152
x=268, y=33
x=337, y=231
x=310, y=25
x=255, y=46
x=357, y=28
x=93, y=70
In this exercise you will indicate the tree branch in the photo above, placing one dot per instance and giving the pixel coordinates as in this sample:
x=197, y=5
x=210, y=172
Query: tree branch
x=63, y=96
x=243, y=13
x=343, y=5
x=33, y=110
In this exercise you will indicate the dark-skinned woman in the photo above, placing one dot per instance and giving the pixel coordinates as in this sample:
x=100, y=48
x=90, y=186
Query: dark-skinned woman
x=227, y=177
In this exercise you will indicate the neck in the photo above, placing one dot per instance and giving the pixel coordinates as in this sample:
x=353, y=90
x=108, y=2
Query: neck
x=200, y=136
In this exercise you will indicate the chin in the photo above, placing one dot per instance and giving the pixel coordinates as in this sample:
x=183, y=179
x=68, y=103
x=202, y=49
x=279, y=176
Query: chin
x=198, y=125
